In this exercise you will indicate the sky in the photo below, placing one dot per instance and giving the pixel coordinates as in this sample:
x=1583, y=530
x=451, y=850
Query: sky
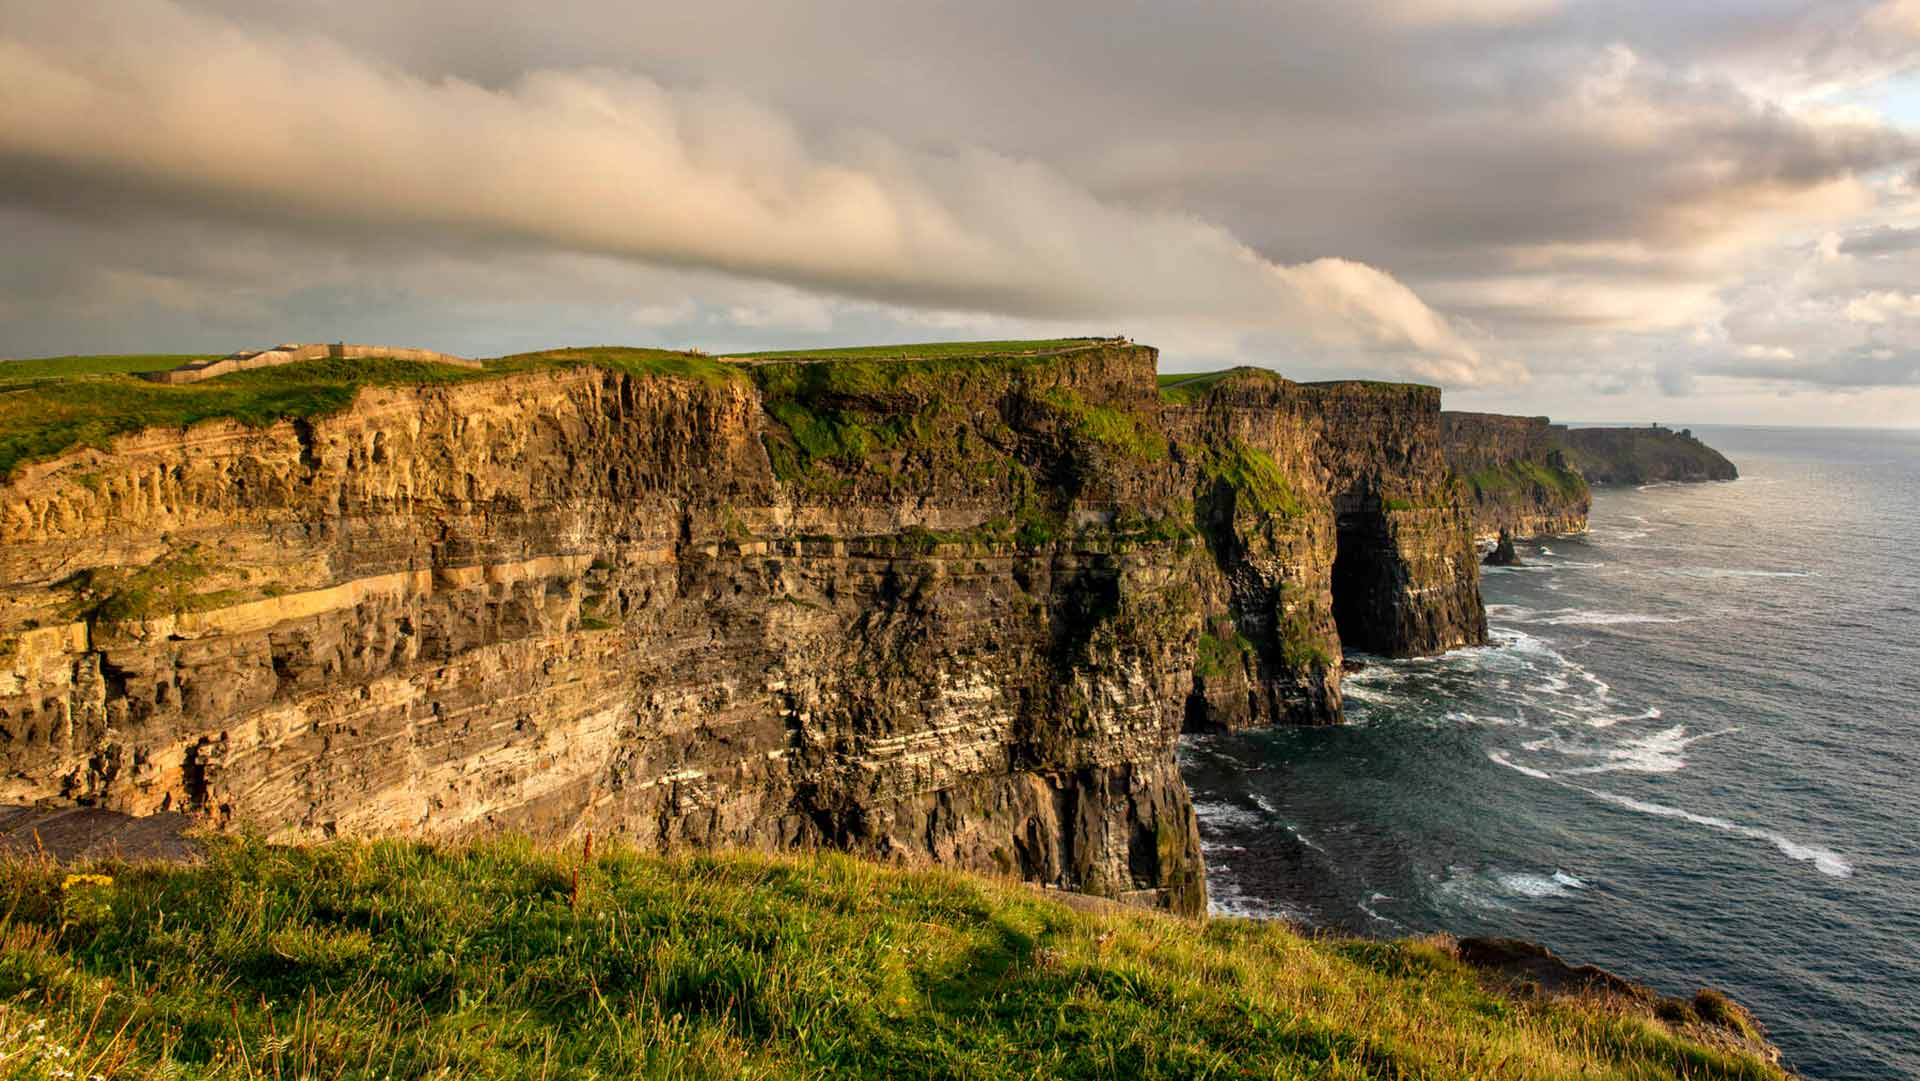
x=1688, y=212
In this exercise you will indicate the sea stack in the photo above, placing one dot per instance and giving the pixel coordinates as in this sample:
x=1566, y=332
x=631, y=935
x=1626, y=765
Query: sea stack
x=1503, y=554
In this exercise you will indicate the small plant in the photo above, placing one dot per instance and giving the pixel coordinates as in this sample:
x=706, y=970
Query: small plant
x=86, y=901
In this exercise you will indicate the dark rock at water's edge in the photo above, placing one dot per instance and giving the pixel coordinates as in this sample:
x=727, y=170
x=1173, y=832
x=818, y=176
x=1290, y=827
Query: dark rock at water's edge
x=1503, y=554
x=1709, y=1015
x=951, y=611
x=1647, y=455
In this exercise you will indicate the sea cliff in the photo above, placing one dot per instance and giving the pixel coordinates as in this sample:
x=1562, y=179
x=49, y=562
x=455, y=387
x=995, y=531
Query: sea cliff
x=1517, y=473
x=1530, y=477
x=1644, y=456
x=951, y=610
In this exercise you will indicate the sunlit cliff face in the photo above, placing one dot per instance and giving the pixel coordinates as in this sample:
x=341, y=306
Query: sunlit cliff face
x=1594, y=210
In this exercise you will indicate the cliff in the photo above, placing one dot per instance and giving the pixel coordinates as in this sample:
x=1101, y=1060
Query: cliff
x=1518, y=474
x=938, y=610
x=1644, y=456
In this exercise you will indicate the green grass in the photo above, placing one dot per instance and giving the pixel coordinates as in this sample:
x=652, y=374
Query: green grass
x=87, y=404
x=1252, y=473
x=503, y=960
x=855, y=414
x=1184, y=387
x=928, y=350
x=1217, y=657
x=1524, y=477
x=14, y=373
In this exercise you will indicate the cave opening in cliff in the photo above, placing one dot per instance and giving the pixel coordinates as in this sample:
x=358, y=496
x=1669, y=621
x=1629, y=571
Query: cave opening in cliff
x=1364, y=573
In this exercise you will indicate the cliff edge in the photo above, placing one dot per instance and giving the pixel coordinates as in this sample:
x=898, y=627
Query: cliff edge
x=1530, y=477
x=1519, y=476
x=950, y=609
x=1644, y=456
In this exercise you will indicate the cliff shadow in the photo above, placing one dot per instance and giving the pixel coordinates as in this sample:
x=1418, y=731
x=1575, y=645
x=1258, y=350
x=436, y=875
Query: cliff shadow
x=1367, y=579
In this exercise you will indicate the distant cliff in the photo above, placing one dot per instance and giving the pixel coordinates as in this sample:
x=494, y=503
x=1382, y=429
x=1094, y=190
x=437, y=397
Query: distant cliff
x=1517, y=474
x=1531, y=477
x=950, y=610
x=1644, y=456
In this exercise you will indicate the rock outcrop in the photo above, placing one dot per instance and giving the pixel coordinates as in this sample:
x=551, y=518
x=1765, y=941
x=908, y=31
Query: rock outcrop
x=1644, y=456
x=954, y=611
x=1517, y=473
x=1503, y=554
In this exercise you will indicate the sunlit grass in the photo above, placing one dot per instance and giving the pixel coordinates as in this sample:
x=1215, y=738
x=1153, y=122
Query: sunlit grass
x=504, y=959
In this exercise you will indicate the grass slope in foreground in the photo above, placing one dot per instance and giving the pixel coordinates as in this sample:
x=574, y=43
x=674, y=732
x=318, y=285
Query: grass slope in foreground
x=392, y=959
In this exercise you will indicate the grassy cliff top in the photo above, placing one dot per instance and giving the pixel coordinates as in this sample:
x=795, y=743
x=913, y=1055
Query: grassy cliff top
x=929, y=350
x=391, y=959
x=49, y=406
x=53, y=404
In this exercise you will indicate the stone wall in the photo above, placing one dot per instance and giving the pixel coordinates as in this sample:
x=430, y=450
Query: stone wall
x=248, y=360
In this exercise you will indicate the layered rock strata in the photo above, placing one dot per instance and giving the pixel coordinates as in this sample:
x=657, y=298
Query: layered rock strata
x=948, y=611
x=1518, y=474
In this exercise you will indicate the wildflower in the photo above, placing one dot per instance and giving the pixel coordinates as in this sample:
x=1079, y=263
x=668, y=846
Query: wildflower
x=73, y=882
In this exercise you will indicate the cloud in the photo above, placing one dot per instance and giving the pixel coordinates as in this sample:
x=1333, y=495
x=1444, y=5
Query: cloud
x=1882, y=240
x=164, y=105
x=1628, y=197
x=1860, y=367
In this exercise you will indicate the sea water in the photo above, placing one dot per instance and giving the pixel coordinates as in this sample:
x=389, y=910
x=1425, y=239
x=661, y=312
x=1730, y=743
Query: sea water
x=1691, y=754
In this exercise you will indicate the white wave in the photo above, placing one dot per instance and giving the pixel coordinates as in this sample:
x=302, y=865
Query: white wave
x=1659, y=752
x=1304, y=839
x=1651, y=713
x=1496, y=888
x=1229, y=815
x=1461, y=718
x=1732, y=572
x=1226, y=897
x=1366, y=906
x=1526, y=884
x=1581, y=617
x=1826, y=860
x=1501, y=758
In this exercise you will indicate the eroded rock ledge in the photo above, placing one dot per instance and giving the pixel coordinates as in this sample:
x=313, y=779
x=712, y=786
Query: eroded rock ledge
x=953, y=611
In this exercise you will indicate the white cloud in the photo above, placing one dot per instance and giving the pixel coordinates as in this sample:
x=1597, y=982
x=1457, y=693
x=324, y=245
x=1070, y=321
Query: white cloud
x=185, y=107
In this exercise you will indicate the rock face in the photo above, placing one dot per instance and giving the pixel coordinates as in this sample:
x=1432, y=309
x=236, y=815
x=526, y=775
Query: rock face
x=1530, y=477
x=948, y=611
x=1518, y=474
x=1644, y=456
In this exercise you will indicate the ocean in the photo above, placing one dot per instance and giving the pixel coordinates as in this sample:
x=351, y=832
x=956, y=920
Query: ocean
x=1691, y=756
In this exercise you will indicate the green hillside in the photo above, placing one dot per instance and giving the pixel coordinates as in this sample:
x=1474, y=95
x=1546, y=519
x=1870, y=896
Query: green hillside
x=506, y=960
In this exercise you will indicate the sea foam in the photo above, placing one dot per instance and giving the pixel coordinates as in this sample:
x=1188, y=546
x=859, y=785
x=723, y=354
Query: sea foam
x=1826, y=860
